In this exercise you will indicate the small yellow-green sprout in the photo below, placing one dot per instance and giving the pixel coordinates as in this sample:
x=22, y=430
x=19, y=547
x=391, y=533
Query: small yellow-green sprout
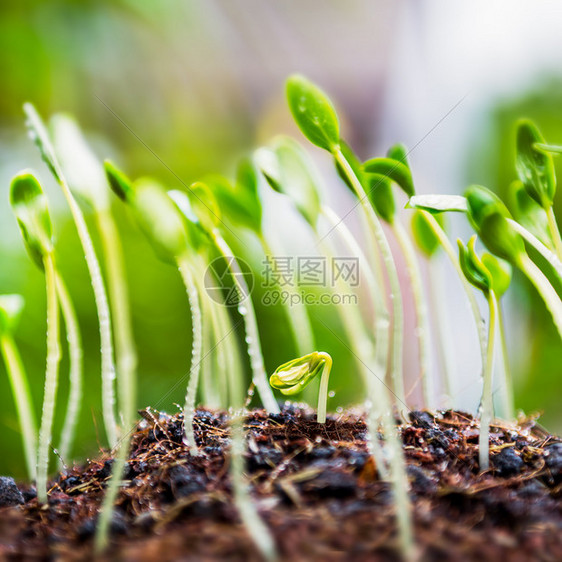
x=29, y=205
x=10, y=310
x=293, y=376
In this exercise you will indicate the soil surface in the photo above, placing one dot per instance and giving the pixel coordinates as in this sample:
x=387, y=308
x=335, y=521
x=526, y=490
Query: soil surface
x=314, y=485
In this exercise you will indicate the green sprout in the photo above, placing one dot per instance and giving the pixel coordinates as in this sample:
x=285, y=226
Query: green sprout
x=317, y=120
x=535, y=169
x=480, y=276
x=10, y=310
x=29, y=205
x=87, y=180
x=492, y=221
x=41, y=138
x=380, y=174
x=291, y=377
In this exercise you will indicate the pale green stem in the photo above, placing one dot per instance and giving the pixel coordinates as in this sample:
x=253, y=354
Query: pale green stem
x=75, y=354
x=452, y=255
x=507, y=386
x=395, y=293
x=104, y=317
x=486, y=404
x=531, y=239
x=51, y=379
x=436, y=299
x=22, y=397
x=296, y=312
x=196, y=323
x=323, y=392
x=554, y=231
x=119, y=300
x=422, y=330
x=246, y=309
x=213, y=380
x=545, y=290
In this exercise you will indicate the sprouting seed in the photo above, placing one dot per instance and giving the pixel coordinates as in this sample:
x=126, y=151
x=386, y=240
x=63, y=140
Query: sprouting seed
x=29, y=205
x=292, y=377
x=10, y=310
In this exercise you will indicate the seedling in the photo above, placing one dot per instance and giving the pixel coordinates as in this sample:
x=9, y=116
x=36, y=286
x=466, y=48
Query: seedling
x=40, y=136
x=29, y=204
x=292, y=377
x=480, y=276
x=10, y=310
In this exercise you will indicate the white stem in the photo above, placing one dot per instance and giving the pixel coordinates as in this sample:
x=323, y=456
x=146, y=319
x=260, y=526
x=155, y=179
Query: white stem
x=452, y=255
x=486, y=404
x=51, y=379
x=213, y=380
x=119, y=301
x=196, y=323
x=545, y=290
x=422, y=331
x=506, y=397
x=532, y=240
x=246, y=309
x=323, y=392
x=22, y=397
x=395, y=293
x=76, y=369
x=554, y=231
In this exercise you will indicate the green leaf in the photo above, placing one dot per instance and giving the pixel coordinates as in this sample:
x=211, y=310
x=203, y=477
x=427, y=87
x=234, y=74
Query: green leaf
x=313, y=112
x=438, y=203
x=205, y=206
x=398, y=152
x=500, y=272
x=197, y=236
x=535, y=168
x=423, y=233
x=83, y=171
x=29, y=204
x=472, y=266
x=289, y=170
x=293, y=376
x=482, y=202
x=120, y=184
x=40, y=136
x=530, y=214
x=10, y=312
x=380, y=194
x=395, y=170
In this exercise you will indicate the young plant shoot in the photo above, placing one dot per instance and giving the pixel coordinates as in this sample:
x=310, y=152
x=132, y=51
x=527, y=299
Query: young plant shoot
x=39, y=134
x=479, y=276
x=291, y=377
x=29, y=205
x=10, y=310
x=317, y=119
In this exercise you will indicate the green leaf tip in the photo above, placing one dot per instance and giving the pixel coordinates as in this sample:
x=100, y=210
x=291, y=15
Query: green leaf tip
x=293, y=376
x=394, y=170
x=472, y=266
x=535, y=168
x=380, y=194
x=29, y=204
x=120, y=184
x=11, y=307
x=313, y=112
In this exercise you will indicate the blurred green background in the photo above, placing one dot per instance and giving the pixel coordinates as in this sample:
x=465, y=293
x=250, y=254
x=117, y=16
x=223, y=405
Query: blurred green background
x=196, y=85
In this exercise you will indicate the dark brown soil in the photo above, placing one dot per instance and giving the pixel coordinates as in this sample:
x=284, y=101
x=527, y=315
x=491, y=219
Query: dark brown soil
x=315, y=486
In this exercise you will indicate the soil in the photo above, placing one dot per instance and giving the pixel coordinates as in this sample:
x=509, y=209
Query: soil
x=315, y=486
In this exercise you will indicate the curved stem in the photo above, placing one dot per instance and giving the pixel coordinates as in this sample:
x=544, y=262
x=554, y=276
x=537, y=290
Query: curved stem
x=22, y=398
x=51, y=378
x=323, y=392
x=507, y=386
x=545, y=290
x=296, y=312
x=119, y=301
x=396, y=296
x=76, y=369
x=533, y=241
x=422, y=331
x=554, y=231
x=486, y=404
x=196, y=323
x=452, y=255
x=252, y=334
